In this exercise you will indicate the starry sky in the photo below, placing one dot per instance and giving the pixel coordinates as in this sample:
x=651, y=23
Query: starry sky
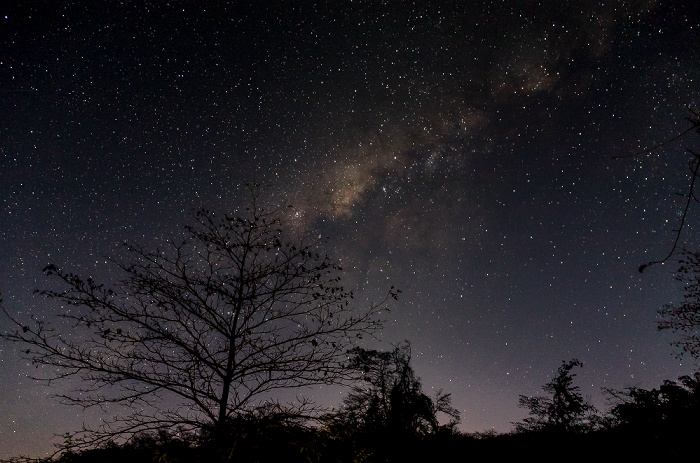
x=461, y=151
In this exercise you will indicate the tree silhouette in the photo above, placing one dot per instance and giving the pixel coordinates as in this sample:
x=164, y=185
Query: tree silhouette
x=661, y=422
x=674, y=404
x=201, y=331
x=563, y=410
x=390, y=398
x=684, y=318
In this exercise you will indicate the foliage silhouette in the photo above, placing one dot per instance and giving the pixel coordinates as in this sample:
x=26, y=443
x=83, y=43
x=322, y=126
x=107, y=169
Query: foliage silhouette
x=390, y=400
x=202, y=331
x=674, y=404
x=563, y=410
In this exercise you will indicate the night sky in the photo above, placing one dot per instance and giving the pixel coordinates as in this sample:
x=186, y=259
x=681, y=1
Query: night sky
x=462, y=152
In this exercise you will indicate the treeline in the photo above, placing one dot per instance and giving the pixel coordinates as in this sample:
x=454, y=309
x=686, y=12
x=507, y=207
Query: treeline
x=198, y=335
x=388, y=418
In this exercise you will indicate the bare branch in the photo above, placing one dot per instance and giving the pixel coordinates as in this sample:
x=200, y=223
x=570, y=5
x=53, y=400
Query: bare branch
x=694, y=166
x=202, y=331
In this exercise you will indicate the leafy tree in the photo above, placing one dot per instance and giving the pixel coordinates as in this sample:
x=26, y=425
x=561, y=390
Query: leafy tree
x=390, y=399
x=563, y=410
x=201, y=331
x=674, y=403
x=636, y=406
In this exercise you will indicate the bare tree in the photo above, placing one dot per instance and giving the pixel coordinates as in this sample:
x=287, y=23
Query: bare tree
x=202, y=331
